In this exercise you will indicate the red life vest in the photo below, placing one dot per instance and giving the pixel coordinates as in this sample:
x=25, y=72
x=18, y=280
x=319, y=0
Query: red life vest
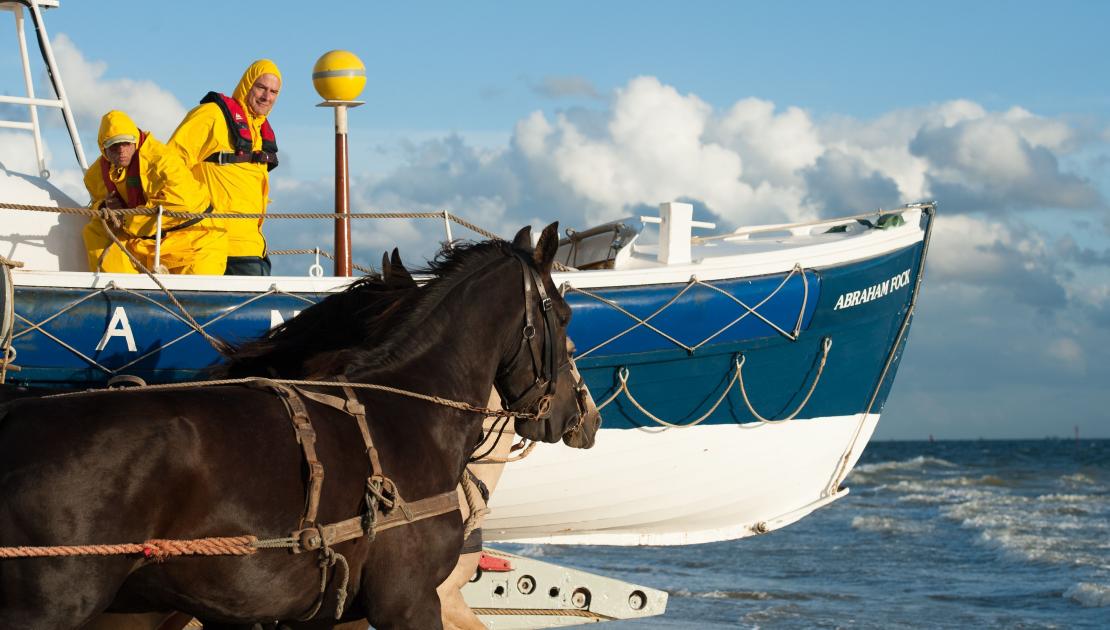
x=239, y=132
x=136, y=198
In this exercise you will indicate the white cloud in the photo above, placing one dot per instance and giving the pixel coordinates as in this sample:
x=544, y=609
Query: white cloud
x=92, y=95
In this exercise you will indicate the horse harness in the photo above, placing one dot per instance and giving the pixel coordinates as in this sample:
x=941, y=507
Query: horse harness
x=385, y=508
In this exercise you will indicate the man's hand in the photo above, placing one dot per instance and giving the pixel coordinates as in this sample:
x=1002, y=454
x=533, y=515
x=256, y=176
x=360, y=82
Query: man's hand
x=114, y=201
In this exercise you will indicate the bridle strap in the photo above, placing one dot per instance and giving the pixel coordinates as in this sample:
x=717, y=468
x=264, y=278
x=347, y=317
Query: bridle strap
x=546, y=374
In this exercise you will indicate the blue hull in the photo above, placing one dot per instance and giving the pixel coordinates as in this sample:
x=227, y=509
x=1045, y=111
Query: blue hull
x=677, y=372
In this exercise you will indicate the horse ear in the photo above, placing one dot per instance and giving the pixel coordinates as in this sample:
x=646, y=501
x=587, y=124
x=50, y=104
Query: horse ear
x=547, y=248
x=523, y=239
x=402, y=277
x=386, y=270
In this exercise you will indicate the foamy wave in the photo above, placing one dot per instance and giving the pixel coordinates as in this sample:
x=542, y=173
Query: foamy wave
x=921, y=461
x=532, y=551
x=888, y=525
x=1066, y=498
x=1077, y=479
x=748, y=595
x=1089, y=595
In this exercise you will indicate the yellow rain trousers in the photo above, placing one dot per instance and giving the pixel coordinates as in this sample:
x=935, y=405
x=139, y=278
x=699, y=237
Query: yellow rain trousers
x=234, y=188
x=164, y=181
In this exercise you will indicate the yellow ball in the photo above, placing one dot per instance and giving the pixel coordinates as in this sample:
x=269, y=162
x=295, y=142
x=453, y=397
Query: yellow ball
x=339, y=75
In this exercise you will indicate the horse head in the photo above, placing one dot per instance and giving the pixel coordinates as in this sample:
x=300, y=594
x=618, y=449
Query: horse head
x=539, y=377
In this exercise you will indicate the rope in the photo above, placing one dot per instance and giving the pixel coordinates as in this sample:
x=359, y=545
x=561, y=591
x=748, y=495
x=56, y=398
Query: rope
x=123, y=212
x=527, y=445
x=826, y=343
x=473, y=500
x=156, y=549
x=842, y=469
x=8, y=262
x=737, y=378
x=219, y=345
x=748, y=310
x=438, y=400
x=316, y=251
x=31, y=326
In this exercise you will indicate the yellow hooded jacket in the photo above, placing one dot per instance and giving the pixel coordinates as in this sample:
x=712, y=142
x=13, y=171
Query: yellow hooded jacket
x=235, y=188
x=163, y=179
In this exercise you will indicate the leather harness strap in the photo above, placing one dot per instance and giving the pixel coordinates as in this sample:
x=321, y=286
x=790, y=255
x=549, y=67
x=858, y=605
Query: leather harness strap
x=385, y=507
x=306, y=437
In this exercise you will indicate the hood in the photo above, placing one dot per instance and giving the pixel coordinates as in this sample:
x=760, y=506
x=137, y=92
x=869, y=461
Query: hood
x=255, y=70
x=115, y=123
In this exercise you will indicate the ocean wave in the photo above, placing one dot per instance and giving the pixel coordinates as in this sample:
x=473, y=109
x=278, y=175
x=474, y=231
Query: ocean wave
x=745, y=595
x=1089, y=594
x=889, y=525
x=921, y=461
x=1078, y=479
x=1070, y=498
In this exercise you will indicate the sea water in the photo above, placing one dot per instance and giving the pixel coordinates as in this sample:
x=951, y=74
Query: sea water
x=968, y=534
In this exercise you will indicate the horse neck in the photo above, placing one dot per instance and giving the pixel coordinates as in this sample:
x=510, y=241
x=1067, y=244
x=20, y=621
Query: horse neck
x=468, y=330
x=468, y=334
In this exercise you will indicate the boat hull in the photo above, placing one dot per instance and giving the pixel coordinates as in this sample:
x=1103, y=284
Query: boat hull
x=702, y=484
x=733, y=403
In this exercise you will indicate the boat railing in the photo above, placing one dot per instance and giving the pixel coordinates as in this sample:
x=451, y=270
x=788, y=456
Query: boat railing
x=61, y=101
x=807, y=228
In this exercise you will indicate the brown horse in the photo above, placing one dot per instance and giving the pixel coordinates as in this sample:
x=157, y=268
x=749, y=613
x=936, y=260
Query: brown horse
x=127, y=466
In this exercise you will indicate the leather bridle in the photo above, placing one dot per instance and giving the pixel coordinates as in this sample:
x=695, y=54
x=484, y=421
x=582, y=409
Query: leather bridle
x=537, y=398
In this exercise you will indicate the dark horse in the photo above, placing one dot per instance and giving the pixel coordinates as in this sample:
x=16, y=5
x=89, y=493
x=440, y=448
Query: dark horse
x=127, y=466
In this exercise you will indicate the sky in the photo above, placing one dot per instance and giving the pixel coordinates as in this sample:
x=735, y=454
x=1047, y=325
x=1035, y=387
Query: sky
x=515, y=113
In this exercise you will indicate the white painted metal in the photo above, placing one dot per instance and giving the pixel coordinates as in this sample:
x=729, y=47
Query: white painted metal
x=537, y=594
x=30, y=86
x=663, y=486
x=59, y=88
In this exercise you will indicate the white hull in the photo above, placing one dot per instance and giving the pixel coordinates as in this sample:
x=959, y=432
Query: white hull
x=676, y=486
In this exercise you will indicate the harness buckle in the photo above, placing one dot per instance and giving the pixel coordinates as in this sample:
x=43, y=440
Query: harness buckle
x=545, y=304
x=529, y=331
x=309, y=539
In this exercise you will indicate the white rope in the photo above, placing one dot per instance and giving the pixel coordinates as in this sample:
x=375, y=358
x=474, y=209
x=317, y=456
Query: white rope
x=748, y=310
x=623, y=374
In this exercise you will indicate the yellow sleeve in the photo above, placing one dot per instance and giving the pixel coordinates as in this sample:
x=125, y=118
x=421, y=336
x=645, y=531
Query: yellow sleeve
x=201, y=134
x=94, y=183
x=169, y=183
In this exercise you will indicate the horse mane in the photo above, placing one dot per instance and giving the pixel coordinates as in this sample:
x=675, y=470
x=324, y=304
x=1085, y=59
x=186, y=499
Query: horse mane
x=369, y=325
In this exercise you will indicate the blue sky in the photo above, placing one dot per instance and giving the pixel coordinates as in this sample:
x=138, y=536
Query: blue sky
x=509, y=113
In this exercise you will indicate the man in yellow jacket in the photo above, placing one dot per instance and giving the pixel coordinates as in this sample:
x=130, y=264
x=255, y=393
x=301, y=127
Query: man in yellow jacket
x=135, y=170
x=231, y=148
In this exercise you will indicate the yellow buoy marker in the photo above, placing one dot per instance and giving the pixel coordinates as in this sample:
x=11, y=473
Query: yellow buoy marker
x=339, y=75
